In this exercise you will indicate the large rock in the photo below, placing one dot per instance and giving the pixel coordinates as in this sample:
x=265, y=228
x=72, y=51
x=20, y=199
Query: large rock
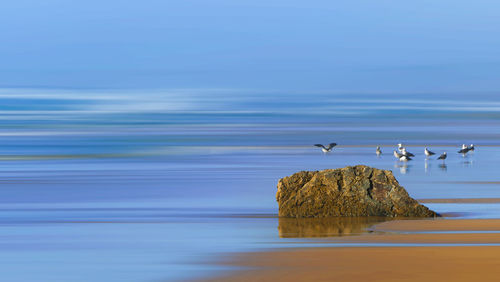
x=349, y=191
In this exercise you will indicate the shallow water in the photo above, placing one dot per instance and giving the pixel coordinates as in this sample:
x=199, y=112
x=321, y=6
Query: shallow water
x=140, y=186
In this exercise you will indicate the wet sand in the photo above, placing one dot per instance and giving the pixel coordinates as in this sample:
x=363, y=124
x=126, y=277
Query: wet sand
x=439, y=225
x=461, y=201
x=385, y=263
x=371, y=264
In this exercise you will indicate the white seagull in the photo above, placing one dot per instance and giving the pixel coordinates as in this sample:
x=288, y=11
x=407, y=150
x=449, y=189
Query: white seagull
x=378, y=151
x=326, y=149
x=404, y=152
x=442, y=157
x=397, y=155
x=428, y=153
x=405, y=158
x=400, y=147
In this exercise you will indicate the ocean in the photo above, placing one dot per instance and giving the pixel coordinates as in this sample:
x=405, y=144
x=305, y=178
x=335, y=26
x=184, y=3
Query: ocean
x=158, y=185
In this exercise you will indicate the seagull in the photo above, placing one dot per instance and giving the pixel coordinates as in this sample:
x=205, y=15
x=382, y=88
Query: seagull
x=442, y=157
x=404, y=152
x=405, y=158
x=397, y=155
x=400, y=147
x=464, y=149
x=326, y=149
x=378, y=151
x=428, y=153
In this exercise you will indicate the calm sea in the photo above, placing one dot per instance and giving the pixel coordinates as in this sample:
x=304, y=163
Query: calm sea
x=155, y=185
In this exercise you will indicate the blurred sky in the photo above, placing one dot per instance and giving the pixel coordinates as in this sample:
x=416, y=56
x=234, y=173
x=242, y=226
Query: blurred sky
x=370, y=46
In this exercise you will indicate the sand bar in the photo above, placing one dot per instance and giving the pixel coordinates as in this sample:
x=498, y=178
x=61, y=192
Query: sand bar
x=461, y=201
x=370, y=264
x=431, y=263
x=439, y=225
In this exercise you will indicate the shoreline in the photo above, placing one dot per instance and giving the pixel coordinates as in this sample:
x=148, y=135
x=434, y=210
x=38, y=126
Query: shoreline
x=369, y=264
x=468, y=255
x=461, y=200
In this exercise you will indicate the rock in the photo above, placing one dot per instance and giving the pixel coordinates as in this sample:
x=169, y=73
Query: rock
x=350, y=191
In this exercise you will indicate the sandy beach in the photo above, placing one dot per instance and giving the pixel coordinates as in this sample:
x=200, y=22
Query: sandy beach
x=453, y=250
x=463, y=200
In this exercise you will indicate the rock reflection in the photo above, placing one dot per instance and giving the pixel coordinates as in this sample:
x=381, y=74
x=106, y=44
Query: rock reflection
x=326, y=227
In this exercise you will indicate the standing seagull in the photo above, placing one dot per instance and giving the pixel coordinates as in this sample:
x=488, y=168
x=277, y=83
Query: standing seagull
x=465, y=149
x=405, y=158
x=400, y=147
x=442, y=157
x=428, y=153
x=397, y=155
x=326, y=149
x=378, y=151
x=404, y=152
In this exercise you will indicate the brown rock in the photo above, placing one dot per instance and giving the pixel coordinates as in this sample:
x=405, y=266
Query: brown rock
x=350, y=191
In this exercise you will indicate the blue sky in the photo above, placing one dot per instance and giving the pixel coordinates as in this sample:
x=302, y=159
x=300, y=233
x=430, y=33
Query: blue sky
x=365, y=46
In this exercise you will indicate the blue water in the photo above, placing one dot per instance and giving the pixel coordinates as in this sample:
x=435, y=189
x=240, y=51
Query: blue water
x=150, y=185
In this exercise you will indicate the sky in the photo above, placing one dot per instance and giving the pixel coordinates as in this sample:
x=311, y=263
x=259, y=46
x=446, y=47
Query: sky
x=319, y=45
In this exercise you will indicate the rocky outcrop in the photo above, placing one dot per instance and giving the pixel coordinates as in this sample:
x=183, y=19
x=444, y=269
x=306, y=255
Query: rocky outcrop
x=349, y=191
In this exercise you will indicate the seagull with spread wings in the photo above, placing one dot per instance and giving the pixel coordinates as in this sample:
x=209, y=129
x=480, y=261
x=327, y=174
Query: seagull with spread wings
x=326, y=149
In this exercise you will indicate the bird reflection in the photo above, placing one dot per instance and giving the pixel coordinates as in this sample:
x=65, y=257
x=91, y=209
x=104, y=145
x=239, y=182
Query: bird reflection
x=426, y=166
x=467, y=163
x=403, y=167
x=443, y=167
